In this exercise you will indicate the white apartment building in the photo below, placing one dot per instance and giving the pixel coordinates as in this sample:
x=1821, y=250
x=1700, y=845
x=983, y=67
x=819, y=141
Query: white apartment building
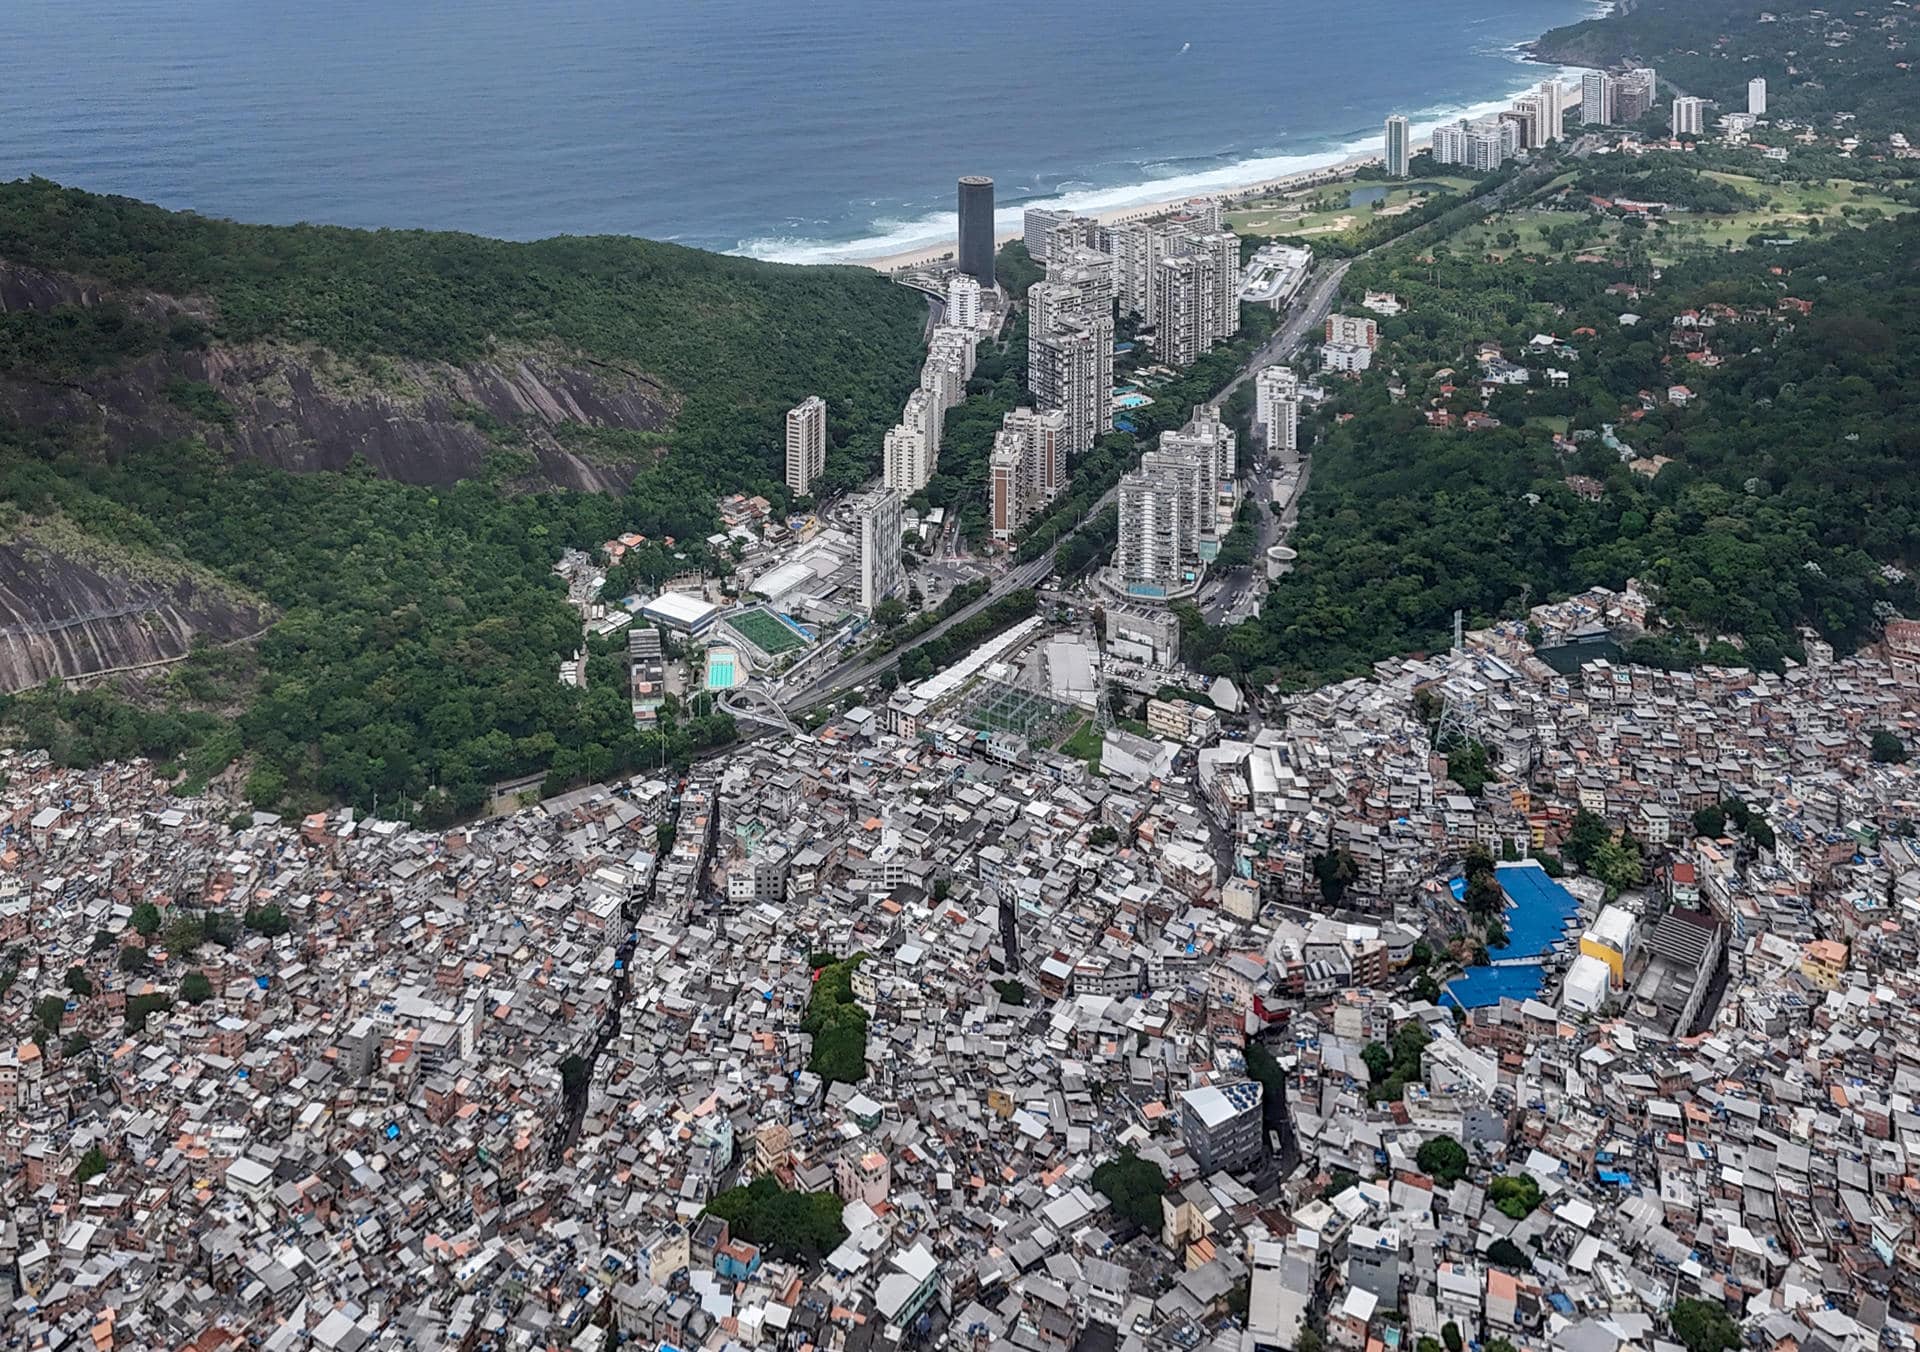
x=1689, y=115
x=1757, y=96
x=1070, y=372
x=1552, y=99
x=1150, y=559
x=911, y=448
x=1035, y=227
x=963, y=301
x=877, y=519
x=806, y=444
x=1276, y=411
x=1597, y=107
x=1070, y=343
x=1353, y=330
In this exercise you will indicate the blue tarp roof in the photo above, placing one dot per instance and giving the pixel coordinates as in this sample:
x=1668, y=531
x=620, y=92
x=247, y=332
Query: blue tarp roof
x=1538, y=909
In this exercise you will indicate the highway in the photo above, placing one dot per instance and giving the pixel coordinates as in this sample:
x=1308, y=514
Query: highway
x=832, y=684
x=1306, y=315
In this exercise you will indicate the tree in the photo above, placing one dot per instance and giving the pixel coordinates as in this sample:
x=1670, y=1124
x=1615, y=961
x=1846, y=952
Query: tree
x=92, y=1164
x=1483, y=896
x=1379, y=1060
x=1703, y=1326
x=102, y=941
x=1134, y=1186
x=1618, y=865
x=1443, y=1159
x=133, y=958
x=1450, y=1335
x=146, y=919
x=1338, y=1181
x=1509, y=1255
x=574, y=1071
x=1888, y=749
x=1336, y=871
x=79, y=982
x=1515, y=1195
x=195, y=989
x=268, y=920
x=1011, y=992
x=1587, y=834
x=1710, y=821
x=48, y=1011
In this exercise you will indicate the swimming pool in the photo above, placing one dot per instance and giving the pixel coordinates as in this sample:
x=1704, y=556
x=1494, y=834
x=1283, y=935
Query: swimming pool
x=1133, y=400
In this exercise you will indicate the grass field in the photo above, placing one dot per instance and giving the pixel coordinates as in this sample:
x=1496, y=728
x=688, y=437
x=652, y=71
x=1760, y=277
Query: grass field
x=1326, y=211
x=1083, y=744
x=1786, y=211
x=765, y=633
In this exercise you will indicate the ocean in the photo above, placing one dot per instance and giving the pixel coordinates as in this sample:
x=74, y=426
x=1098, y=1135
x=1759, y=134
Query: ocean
x=795, y=130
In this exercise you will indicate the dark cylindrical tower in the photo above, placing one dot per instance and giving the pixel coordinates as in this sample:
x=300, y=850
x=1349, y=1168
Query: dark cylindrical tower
x=976, y=228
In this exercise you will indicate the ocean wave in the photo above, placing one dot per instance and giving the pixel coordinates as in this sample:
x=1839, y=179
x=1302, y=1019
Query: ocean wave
x=888, y=237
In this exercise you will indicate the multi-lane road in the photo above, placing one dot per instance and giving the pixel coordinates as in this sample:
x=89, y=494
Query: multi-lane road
x=1305, y=316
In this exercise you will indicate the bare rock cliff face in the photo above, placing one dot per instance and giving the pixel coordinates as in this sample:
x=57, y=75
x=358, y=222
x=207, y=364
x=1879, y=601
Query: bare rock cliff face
x=422, y=422
x=65, y=616
x=69, y=608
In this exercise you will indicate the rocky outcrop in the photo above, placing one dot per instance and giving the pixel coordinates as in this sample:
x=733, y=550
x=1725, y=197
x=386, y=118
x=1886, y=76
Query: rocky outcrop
x=69, y=609
x=305, y=410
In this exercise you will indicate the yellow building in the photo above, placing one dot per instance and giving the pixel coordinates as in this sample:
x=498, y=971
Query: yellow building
x=1610, y=939
x=1822, y=962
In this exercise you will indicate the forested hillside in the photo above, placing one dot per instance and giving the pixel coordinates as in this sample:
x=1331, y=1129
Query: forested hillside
x=1734, y=427
x=1817, y=63
x=162, y=375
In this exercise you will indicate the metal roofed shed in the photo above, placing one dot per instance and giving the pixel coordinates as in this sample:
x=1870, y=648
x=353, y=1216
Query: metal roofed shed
x=680, y=612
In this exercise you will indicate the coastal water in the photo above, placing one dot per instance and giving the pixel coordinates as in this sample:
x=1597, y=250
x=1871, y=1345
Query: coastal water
x=803, y=130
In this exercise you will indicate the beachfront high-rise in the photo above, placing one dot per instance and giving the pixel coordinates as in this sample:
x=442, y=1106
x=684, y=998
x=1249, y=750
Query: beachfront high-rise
x=1597, y=99
x=1757, y=96
x=1689, y=115
x=806, y=444
x=1070, y=343
x=1552, y=100
x=1193, y=298
x=1634, y=93
x=976, y=228
x=1037, y=224
x=1399, y=147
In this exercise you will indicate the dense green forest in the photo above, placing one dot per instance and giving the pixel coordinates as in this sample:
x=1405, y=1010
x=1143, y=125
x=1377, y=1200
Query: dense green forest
x=1792, y=479
x=734, y=342
x=1817, y=63
x=418, y=639
x=414, y=657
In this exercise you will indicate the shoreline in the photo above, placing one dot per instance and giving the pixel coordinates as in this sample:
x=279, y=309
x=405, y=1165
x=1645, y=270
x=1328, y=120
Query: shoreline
x=1302, y=178
x=1345, y=162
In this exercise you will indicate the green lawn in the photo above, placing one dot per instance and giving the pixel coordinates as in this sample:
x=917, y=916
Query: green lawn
x=1325, y=211
x=1787, y=210
x=1083, y=744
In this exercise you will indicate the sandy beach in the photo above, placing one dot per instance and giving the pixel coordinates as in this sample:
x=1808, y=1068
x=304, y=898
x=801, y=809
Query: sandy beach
x=1306, y=178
